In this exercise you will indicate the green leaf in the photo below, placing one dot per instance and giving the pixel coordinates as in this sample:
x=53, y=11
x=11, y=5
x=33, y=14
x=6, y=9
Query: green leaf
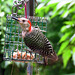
x=62, y=3
x=65, y=14
x=64, y=37
x=72, y=10
x=69, y=22
x=73, y=18
x=66, y=56
x=2, y=39
x=64, y=28
x=73, y=58
x=4, y=28
x=2, y=42
x=72, y=39
x=40, y=5
x=63, y=46
x=48, y=7
x=5, y=64
x=2, y=14
x=0, y=33
x=7, y=10
x=74, y=50
x=71, y=4
x=18, y=63
x=55, y=13
x=53, y=1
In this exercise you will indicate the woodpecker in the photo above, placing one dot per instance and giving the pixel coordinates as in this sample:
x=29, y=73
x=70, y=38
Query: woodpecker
x=36, y=40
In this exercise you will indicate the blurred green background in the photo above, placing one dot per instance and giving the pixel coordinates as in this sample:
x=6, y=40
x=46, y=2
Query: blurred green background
x=61, y=33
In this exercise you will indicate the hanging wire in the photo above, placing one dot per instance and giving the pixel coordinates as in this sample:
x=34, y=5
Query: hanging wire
x=25, y=10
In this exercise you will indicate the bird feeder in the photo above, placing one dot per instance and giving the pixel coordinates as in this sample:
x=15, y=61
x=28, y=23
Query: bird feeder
x=15, y=48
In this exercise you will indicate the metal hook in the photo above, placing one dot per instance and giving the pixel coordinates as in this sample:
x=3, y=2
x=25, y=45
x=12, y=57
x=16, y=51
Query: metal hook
x=16, y=5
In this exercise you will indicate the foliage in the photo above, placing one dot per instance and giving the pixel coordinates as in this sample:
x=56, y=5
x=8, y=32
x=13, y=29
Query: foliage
x=5, y=9
x=61, y=33
x=66, y=10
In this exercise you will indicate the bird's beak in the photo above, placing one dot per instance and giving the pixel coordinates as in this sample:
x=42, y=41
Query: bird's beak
x=15, y=18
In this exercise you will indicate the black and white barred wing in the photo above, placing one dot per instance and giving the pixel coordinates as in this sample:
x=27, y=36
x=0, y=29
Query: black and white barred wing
x=38, y=42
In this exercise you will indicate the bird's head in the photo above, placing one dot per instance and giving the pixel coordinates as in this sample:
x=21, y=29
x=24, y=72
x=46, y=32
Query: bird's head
x=24, y=23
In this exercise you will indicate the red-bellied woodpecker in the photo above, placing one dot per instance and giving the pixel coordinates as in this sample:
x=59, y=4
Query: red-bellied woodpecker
x=36, y=40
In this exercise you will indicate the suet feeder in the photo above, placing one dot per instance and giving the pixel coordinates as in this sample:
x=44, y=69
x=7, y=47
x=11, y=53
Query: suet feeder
x=14, y=48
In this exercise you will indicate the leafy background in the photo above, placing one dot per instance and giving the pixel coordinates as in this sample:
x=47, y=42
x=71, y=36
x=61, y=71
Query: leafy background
x=61, y=33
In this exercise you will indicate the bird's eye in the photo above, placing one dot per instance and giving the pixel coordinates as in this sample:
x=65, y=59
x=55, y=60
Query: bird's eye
x=23, y=20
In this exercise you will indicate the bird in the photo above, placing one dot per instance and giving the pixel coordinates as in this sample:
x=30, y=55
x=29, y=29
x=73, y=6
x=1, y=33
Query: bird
x=36, y=40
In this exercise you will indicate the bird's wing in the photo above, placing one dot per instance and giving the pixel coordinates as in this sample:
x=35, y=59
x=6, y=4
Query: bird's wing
x=38, y=42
